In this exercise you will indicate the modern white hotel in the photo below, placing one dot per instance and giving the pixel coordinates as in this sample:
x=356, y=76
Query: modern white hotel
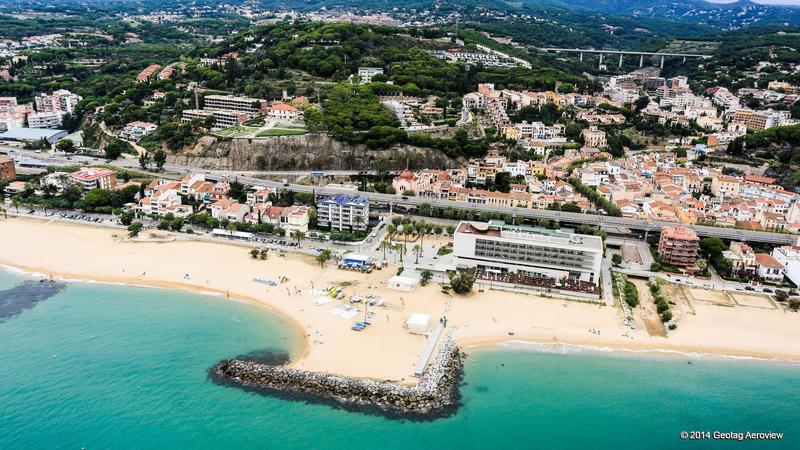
x=531, y=256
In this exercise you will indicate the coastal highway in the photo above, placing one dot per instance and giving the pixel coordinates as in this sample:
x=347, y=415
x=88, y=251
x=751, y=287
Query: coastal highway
x=395, y=201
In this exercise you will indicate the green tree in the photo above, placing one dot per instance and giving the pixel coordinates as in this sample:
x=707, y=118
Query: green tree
x=126, y=218
x=160, y=158
x=616, y=258
x=298, y=235
x=712, y=246
x=97, y=197
x=66, y=146
x=134, y=229
x=144, y=160
x=425, y=277
x=115, y=149
x=461, y=282
x=323, y=257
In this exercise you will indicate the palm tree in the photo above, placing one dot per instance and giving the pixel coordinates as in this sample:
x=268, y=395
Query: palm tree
x=298, y=235
x=385, y=244
x=417, y=249
x=391, y=229
x=15, y=204
x=5, y=214
x=323, y=257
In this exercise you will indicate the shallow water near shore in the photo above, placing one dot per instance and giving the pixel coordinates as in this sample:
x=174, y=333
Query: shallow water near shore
x=108, y=366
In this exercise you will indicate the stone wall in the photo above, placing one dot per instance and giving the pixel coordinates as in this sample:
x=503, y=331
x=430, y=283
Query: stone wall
x=435, y=395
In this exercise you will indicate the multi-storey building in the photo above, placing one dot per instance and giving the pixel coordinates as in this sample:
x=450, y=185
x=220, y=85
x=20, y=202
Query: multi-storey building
x=678, y=246
x=760, y=120
x=365, y=74
x=95, y=178
x=44, y=119
x=497, y=248
x=594, y=138
x=148, y=72
x=343, y=212
x=222, y=119
x=7, y=169
x=137, y=130
x=249, y=106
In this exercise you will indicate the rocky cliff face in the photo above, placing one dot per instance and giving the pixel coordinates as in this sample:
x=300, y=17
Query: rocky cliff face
x=306, y=152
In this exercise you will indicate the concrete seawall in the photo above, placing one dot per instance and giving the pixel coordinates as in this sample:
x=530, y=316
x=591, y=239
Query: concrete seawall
x=435, y=395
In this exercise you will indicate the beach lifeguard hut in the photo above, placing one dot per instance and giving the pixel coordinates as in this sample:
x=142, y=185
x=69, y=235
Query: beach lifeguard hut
x=401, y=283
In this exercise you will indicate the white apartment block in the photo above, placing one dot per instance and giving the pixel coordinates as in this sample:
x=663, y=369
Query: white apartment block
x=222, y=119
x=365, y=74
x=343, y=212
x=44, y=120
x=249, y=106
x=137, y=130
x=789, y=257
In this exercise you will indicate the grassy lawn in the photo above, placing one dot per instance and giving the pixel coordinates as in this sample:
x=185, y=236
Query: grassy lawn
x=281, y=132
x=237, y=131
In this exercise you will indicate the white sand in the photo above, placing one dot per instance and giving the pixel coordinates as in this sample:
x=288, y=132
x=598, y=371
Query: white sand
x=384, y=350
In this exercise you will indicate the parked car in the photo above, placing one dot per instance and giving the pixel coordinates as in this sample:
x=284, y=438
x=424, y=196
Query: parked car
x=767, y=290
x=749, y=288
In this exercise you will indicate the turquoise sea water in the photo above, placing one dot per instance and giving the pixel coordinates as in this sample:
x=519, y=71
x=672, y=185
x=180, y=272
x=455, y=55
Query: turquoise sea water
x=104, y=366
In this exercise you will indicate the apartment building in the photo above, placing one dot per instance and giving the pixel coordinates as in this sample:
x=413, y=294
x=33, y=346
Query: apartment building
x=365, y=74
x=61, y=100
x=8, y=170
x=95, y=178
x=147, y=73
x=788, y=256
x=496, y=248
x=137, y=130
x=760, y=120
x=164, y=199
x=725, y=186
x=222, y=119
x=249, y=106
x=343, y=212
x=44, y=119
x=230, y=210
x=594, y=137
x=166, y=73
x=678, y=246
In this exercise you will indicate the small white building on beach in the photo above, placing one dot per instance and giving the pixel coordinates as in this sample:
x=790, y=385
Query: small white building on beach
x=418, y=323
x=401, y=283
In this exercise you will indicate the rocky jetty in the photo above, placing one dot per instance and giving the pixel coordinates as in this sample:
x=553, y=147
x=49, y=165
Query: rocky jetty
x=435, y=395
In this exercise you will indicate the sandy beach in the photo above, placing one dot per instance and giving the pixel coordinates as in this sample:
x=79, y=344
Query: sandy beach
x=384, y=351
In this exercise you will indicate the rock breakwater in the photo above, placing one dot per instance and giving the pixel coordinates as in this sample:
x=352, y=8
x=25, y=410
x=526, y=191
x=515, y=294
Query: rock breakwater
x=435, y=395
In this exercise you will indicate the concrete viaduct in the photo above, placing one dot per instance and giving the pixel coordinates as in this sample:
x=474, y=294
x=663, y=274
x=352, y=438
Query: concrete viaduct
x=621, y=53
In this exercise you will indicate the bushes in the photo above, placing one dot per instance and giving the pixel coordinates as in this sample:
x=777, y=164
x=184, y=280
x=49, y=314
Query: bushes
x=662, y=305
x=631, y=294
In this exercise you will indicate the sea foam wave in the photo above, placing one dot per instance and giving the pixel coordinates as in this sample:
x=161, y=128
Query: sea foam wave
x=566, y=348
